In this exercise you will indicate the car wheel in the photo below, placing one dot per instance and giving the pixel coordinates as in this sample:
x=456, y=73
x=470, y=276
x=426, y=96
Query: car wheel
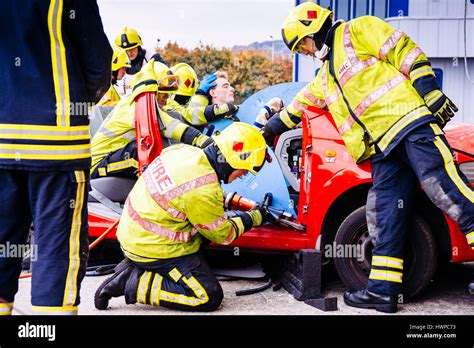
x=420, y=258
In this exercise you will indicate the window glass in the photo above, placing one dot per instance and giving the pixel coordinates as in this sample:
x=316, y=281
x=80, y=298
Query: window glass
x=379, y=8
x=360, y=8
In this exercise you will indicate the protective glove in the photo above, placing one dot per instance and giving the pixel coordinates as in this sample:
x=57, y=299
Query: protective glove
x=206, y=84
x=440, y=105
x=269, y=135
x=215, y=112
x=264, y=213
x=272, y=107
x=202, y=141
x=256, y=215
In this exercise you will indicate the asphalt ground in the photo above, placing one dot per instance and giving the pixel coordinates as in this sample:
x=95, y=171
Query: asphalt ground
x=447, y=295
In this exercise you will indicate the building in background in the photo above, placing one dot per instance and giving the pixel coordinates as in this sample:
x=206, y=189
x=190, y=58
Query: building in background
x=444, y=29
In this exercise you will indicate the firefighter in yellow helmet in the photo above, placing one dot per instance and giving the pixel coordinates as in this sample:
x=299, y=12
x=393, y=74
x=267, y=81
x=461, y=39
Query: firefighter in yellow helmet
x=388, y=107
x=190, y=107
x=114, y=151
x=132, y=43
x=120, y=62
x=176, y=203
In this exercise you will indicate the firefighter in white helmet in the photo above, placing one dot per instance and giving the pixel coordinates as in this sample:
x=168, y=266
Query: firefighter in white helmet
x=120, y=62
x=388, y=107
x=176, y=203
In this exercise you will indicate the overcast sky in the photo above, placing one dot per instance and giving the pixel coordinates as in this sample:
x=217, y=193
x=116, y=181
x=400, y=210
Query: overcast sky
x=217, y=22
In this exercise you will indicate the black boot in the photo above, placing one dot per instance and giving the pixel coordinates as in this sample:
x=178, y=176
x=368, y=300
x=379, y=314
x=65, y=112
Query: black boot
x=470, y=288
x=366, y=299
x=113, y=286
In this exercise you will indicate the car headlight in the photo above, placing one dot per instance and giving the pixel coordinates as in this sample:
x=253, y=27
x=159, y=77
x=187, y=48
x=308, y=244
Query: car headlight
x=468, y=170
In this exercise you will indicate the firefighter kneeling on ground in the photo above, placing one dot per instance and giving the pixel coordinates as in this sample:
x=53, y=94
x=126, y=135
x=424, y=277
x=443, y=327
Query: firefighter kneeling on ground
x=175, y=203
x=388, y=107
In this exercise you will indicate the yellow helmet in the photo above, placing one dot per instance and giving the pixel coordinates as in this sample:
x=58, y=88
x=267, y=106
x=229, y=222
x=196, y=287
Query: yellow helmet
x=188, y=77
x=303, y=20
x=120, y=59
x=167, y=81
x=243, y=146
x=128, y=39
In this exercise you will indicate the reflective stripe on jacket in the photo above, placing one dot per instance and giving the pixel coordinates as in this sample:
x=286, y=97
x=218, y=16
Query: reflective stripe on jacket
x=373, y=63
x=50, y=77
x=172, y=204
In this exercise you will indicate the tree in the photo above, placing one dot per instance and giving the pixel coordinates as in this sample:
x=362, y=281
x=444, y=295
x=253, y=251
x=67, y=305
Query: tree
x=249, y=71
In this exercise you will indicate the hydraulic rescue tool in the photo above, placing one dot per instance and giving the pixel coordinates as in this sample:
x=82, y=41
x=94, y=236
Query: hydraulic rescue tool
x=234, y=201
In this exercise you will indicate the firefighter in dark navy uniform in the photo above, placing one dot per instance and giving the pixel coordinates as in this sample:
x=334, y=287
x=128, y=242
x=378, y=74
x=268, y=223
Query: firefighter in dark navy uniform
x=55, y=62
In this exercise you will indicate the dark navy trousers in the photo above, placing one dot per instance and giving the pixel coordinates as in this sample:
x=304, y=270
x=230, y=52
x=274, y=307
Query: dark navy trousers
x=183, y=283
x=422, y=156
x=56, y=203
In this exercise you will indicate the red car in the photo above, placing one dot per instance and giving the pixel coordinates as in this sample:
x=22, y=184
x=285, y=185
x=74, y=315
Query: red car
x=331, y=191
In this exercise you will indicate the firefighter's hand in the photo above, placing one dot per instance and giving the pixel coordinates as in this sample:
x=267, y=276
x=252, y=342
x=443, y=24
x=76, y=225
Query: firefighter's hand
x=266, y=215
x=256, y=215
x=269, y=135
x=225, y=110
x=215, y=112
x=440, y=105
x=206, y=84
x=202, y=141
x=272, y=107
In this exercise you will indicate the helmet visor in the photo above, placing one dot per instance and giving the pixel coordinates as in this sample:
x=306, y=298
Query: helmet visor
x=169, y=83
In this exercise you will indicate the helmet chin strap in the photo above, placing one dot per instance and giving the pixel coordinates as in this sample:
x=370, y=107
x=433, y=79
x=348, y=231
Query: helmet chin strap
x=322, y=53
x=323, y=37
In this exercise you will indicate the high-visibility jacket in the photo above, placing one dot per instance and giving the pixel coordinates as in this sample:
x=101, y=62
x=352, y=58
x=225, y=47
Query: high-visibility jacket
x=110, y=98
x=125, y=85
x=382, y=73
x=56, y=63
x=193, y=113
x=118, y=129
x=172, y=204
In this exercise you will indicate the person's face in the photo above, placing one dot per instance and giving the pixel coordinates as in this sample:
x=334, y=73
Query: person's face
x=306, y=46
x=223, y=92
x=161, y=99
x=238, y=173
x=121, y=73
x=132, y=53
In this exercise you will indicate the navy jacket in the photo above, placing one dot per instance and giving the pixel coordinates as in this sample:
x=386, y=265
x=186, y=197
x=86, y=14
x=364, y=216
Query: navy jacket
x=55, y=64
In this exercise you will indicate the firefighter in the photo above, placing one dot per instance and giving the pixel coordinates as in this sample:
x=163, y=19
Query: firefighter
x=51, y=76
x=114, y=150
x=172, y=207
x=132, y=43
x=120, y=62
x=189, y=106
x=388, y=107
